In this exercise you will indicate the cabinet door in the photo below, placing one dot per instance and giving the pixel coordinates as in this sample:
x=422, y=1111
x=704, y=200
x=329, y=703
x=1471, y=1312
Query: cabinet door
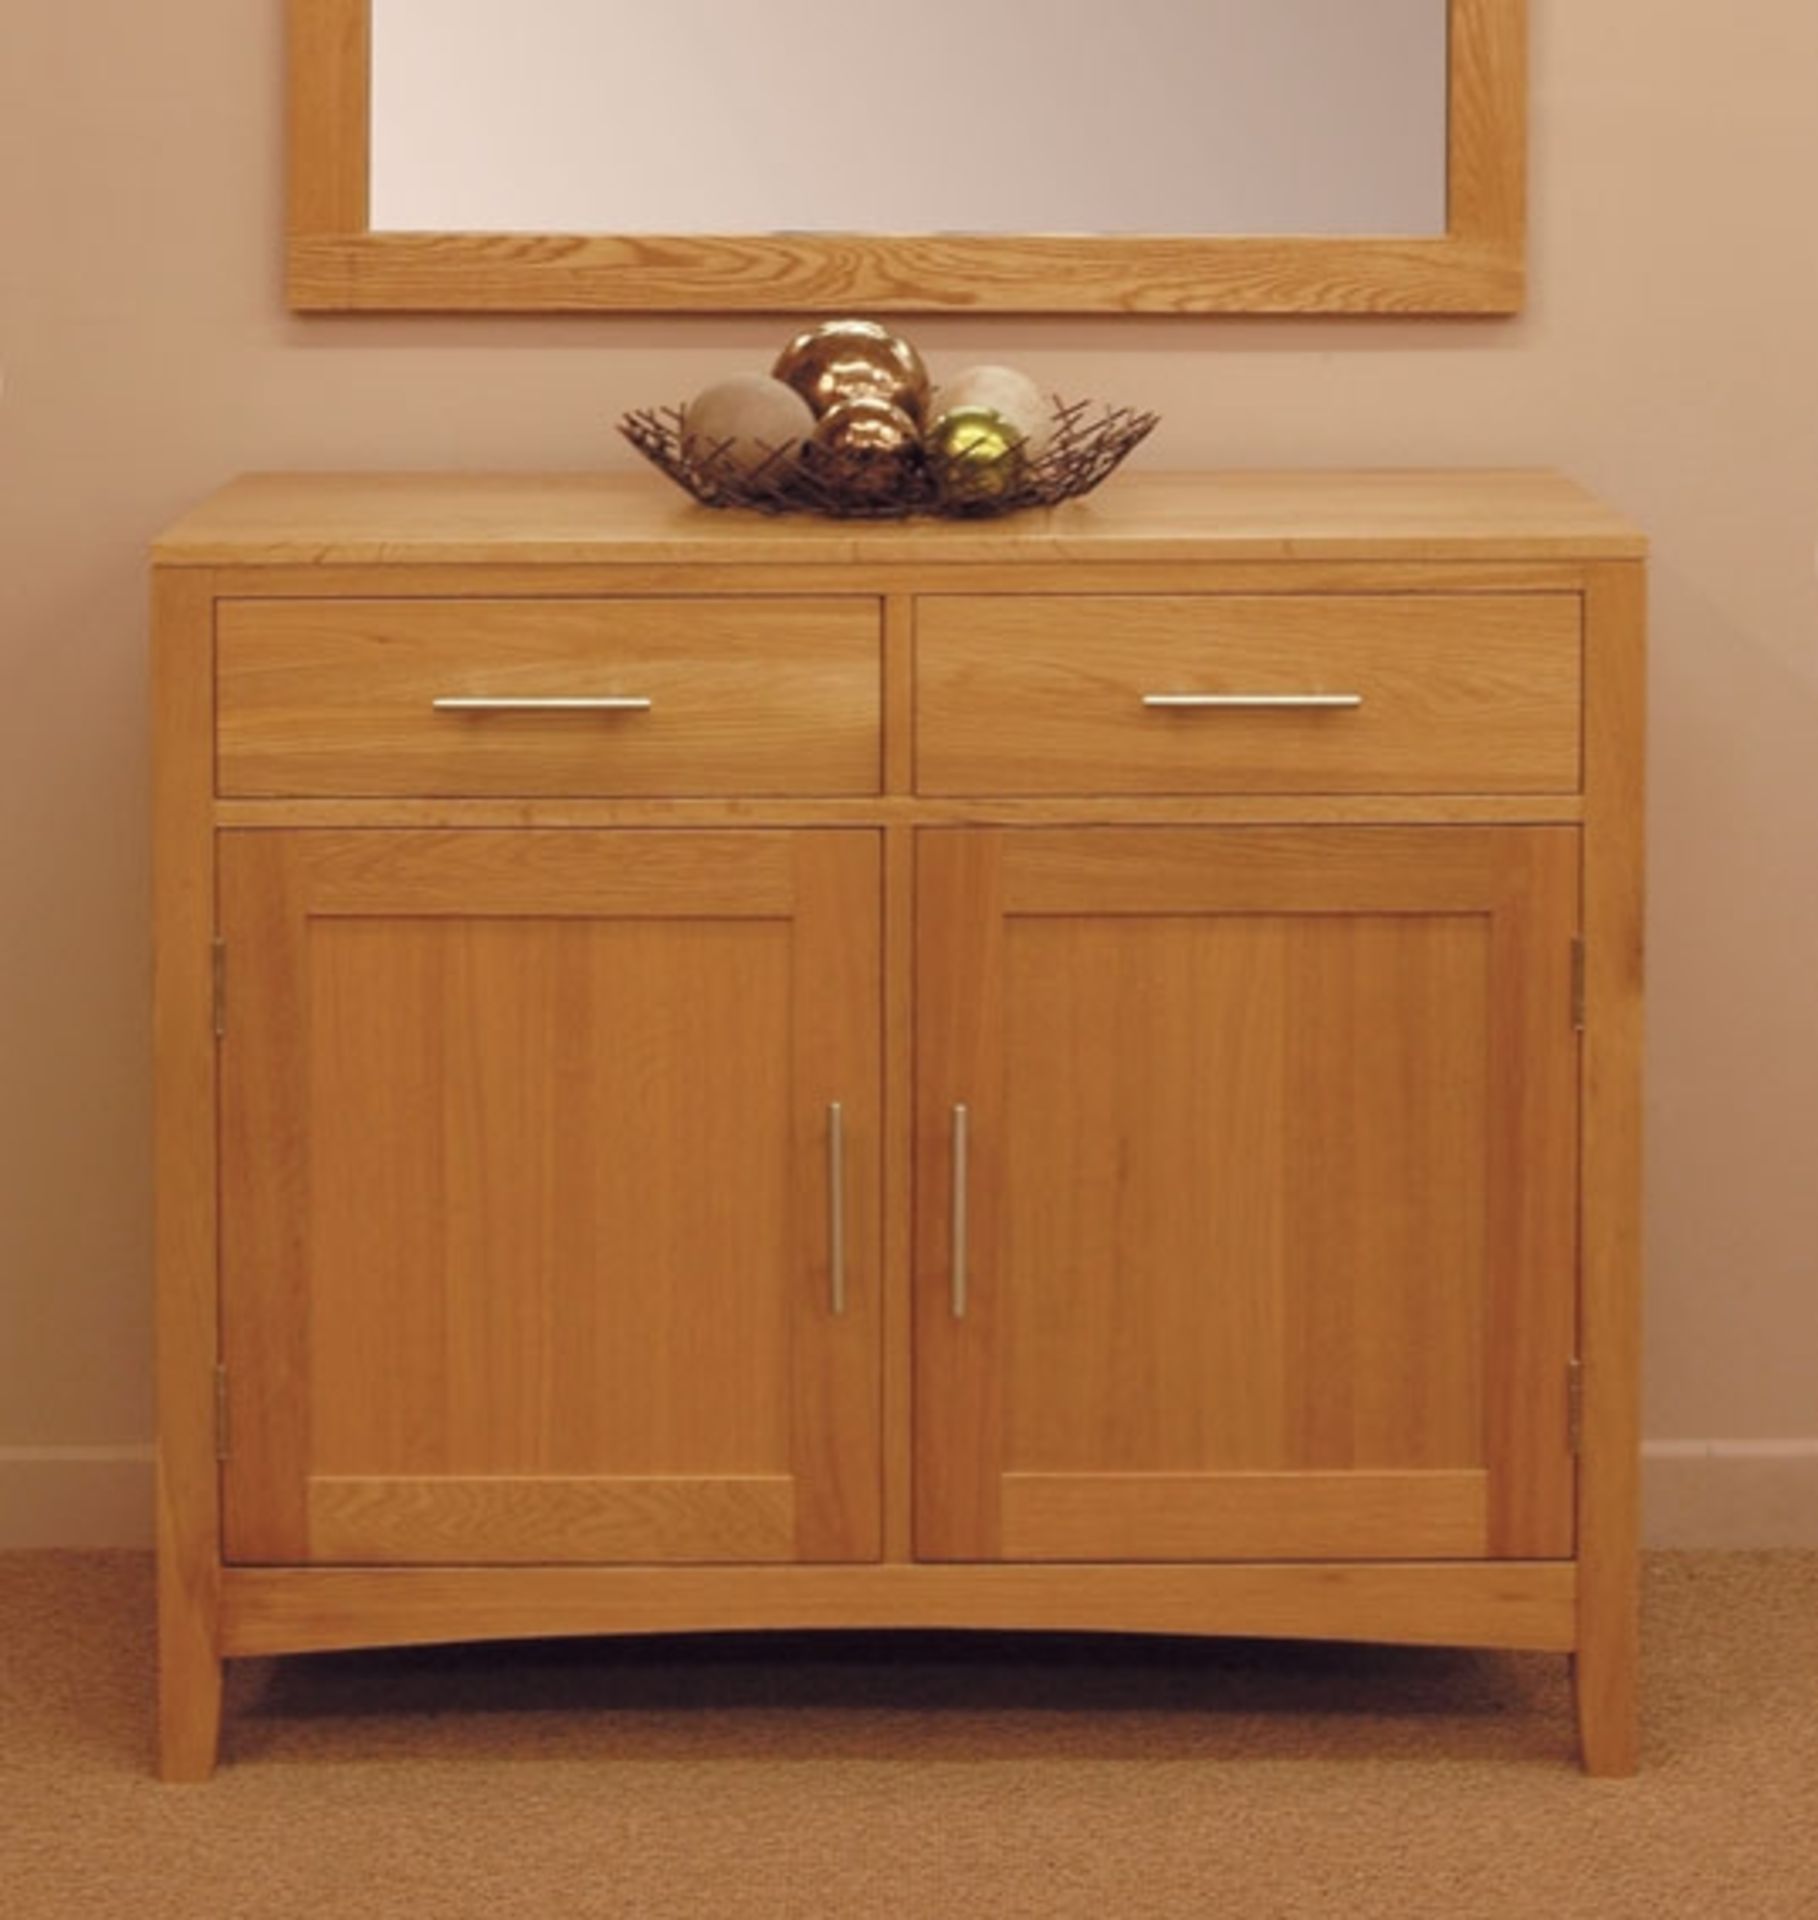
x=529, y=1205
x=1266, y=1197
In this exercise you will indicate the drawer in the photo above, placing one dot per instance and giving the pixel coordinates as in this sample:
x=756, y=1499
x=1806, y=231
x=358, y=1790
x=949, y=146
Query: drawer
x=340, y=697
x=1430, y=693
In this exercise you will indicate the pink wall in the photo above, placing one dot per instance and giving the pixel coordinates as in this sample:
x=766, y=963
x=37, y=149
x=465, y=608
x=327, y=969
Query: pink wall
x=1669, y=357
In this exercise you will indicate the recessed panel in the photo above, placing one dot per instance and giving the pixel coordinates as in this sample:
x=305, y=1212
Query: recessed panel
x=1245, y=1191
x=549, y=1196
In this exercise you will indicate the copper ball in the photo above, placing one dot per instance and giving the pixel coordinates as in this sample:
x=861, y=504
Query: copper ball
x=855, y=360
x=865, y=452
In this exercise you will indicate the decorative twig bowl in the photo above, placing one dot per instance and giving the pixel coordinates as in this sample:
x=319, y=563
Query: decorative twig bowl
x=1085, y=444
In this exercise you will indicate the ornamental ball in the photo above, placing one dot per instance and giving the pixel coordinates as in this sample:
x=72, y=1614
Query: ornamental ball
x=865, y=452
x=748, y=425
x=852, y=360
x=976, y=456
x=1006, y=391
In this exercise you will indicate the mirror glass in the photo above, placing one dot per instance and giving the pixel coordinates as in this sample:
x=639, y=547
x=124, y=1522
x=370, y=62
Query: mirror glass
x=1317, y=117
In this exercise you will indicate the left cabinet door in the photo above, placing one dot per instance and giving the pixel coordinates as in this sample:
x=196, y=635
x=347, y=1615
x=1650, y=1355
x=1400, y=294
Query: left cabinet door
x=550, y=1196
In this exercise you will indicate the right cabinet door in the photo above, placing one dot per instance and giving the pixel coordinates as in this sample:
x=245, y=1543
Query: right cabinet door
x=1246, y=1165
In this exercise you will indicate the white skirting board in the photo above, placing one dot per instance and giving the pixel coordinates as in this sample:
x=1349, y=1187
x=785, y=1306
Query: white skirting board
x=1730, y=1493
x=1696, y=1493
x=76, y=1496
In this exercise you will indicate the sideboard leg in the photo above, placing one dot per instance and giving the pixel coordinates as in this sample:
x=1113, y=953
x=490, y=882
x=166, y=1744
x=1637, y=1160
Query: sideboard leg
x=189, y=1715
x=189, y=1682
x=1606, y=1680
x=1606, y=1671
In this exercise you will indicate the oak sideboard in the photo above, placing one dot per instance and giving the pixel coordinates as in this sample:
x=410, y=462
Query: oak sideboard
x=1075, y=1072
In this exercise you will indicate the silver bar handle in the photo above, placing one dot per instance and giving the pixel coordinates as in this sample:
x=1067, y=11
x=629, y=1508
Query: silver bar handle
x=961, y=1276
x=1251, y=702
x=549, y=703
x=836, y=1205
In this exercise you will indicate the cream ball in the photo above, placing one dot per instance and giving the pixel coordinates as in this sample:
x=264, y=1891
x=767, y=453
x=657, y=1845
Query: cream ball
x=749, y=424
x=1004, y=391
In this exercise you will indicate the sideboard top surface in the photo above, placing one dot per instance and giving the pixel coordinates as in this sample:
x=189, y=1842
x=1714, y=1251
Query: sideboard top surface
x=329, y=519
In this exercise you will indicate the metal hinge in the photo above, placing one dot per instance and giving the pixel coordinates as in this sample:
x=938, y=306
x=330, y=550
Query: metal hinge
x=220, y=988
x=1575, y=1406
x=1578, y=985
x=220, y=1413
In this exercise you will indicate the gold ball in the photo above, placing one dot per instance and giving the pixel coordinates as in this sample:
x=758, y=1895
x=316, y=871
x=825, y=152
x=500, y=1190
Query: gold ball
x=977, y=457
x=865, y=452
x=853, y=360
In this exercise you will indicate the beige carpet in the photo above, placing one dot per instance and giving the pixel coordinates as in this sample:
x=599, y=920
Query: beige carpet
x=930, y=1776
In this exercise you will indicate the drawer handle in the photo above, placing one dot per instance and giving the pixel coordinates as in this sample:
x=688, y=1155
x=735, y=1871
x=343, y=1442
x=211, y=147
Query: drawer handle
x=1251, y=702
x=836, y=1205
x=553, y=703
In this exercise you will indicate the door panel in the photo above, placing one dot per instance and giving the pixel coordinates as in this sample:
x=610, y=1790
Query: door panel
x=564, y=1063
x=1269, y=1196
x=525, y=1196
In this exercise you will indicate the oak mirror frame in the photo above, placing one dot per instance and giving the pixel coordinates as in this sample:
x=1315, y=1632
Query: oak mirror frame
x=338, y=263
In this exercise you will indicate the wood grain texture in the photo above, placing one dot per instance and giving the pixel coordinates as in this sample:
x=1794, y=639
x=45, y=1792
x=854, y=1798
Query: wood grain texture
x=519, y=1262
x=462, y=949
x=264, y=1161
x=1237, y=1516
x=908, y=811
x=899, y=1193
x=1533, y=1213
x=553, y=876
x=1147, y=870
x=1273, y=1173
x=959, y=1011
x=329, y=47
x=943, y=568
x=525, y=1175
x=1244, y=1230
x=899, y=694
x=516, y=1519
x=339, y=264
x=899, y=1081
x=268, y=1610
x=1044, y=694
x=184, y=1213
x=1607, y=1669
x=834, y=1028
x=1487, y=160
x=747, y=697
x=901, y=273
x=1518, y=516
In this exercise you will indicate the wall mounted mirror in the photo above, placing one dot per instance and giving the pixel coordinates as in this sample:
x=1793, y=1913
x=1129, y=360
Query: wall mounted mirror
x=1034, y=156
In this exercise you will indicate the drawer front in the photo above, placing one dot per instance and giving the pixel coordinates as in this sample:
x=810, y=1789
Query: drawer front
x=1198, y=694
x=340, y=697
